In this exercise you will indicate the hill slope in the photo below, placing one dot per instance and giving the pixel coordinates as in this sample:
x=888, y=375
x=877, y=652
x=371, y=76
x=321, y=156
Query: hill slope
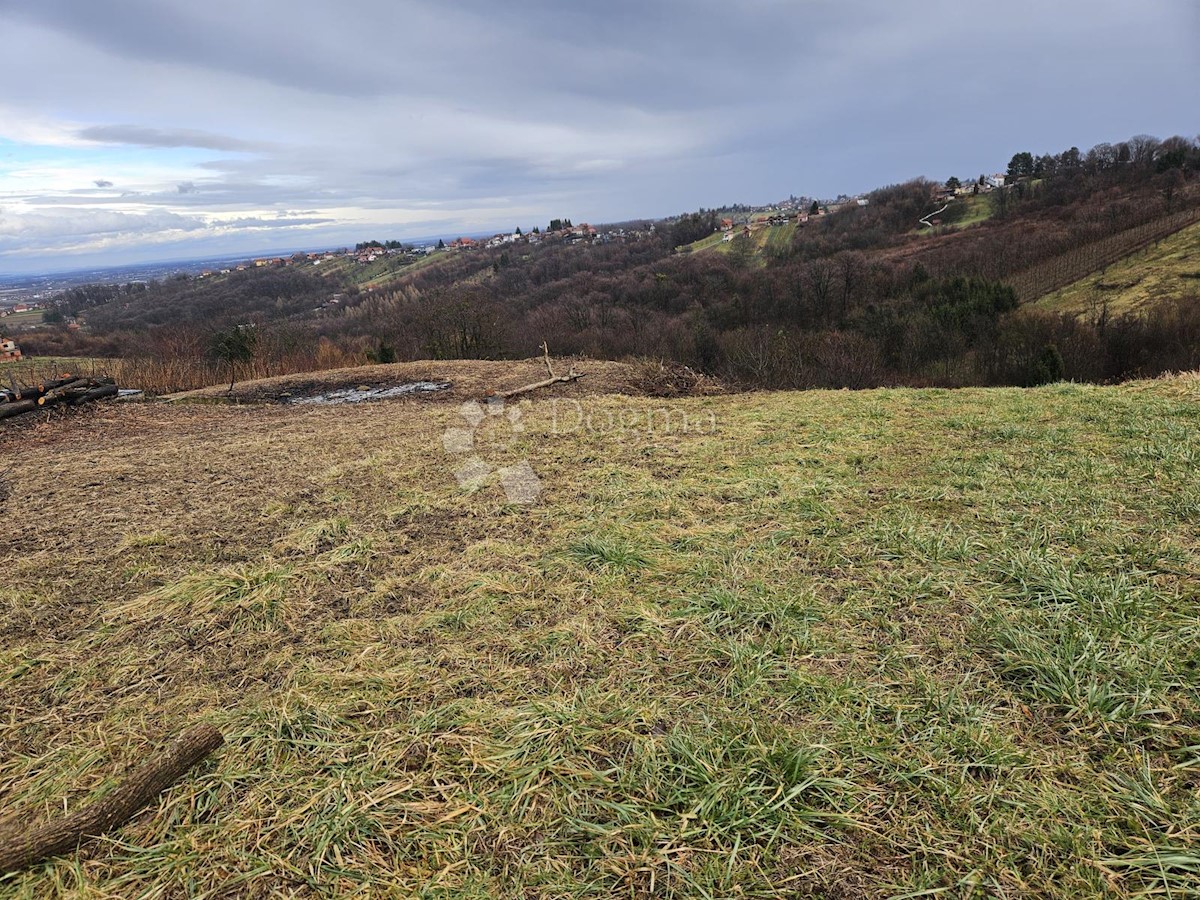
x=1168, y=269
x=840, y=644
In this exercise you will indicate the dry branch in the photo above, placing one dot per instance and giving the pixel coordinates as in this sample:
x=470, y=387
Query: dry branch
x=553, y=379
x=20, y=848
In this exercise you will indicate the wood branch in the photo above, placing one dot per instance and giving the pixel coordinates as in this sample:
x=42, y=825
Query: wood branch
x=549, y=368
x=22, y=847
x=558, y=379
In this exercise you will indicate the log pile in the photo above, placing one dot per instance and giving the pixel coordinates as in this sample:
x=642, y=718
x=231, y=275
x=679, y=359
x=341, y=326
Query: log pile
x=67, y=390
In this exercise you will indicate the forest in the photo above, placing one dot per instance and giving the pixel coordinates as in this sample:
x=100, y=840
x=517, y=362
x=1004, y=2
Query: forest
x=861, y=297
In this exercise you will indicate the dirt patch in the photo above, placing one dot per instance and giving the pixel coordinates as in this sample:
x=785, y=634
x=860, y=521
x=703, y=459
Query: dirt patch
x=467, y=379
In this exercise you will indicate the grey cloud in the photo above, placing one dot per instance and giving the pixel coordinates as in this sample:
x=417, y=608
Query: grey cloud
x=143, y=136
x=102, y=183
x=457, y=113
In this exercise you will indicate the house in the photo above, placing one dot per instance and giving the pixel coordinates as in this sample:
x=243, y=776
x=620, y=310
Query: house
x=863, y=201
x=9, y=351
x=728, y=236
x=727, y=225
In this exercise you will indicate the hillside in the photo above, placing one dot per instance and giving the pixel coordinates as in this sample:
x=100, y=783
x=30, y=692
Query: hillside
x=842, y=644
x=1166, y=270
x=861, y=297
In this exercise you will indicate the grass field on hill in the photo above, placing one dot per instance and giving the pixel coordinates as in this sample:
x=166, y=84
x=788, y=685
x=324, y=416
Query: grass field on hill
x=975, y=209
x=835, y=644
x=17, y=320
x=763, y=239
x=1166, y=270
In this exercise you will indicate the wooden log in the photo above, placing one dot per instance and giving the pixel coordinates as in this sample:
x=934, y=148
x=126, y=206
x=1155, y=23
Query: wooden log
x=21, y=847
x=51, y=397
x=44, y=386
x=96, y=393
x=19, y=392
x=16, y=408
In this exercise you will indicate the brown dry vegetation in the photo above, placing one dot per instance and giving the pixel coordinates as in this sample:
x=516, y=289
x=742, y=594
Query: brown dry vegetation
x=476, y=379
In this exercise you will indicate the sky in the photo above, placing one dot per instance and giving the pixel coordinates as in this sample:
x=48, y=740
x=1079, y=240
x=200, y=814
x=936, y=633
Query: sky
x=140, y=130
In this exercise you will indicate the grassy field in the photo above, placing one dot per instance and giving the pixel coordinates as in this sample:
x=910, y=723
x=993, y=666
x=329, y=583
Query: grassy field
x=764, y=239
x=380, y=273
x=835, y=644
x=1168, y=269
x=16, y=320
x=977, y=208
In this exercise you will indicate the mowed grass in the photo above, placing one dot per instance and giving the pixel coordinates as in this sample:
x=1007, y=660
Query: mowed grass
x=834, y=644
x=1166, y=270
x=977, y=208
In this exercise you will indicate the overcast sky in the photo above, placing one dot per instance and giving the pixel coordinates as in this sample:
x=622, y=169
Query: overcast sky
x=153, y=129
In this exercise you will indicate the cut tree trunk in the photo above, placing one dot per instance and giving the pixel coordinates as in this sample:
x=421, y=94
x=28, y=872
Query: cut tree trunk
x=59, y=393
x=22, y=847
x=99, y=393
x=17, y=407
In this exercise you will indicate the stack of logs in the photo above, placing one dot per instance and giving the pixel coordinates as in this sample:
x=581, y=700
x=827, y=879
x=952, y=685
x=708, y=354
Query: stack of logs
x=69, y=390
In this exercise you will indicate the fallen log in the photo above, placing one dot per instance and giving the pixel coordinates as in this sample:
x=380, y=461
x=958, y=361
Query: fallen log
x=44, y=386
x=21, y=847
x=17, y=407
x=96, y=393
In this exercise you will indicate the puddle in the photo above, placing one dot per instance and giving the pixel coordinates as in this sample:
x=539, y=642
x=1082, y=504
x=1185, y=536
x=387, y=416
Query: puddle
x=363, y=394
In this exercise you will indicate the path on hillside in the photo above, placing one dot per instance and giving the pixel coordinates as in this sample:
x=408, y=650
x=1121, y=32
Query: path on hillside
x=925, y=221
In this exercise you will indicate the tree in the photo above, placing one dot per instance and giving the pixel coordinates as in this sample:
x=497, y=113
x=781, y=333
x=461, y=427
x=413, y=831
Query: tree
x=384, y=353
x=815, y=209
x=518, y=231
x=233, y=346
x=441, y=244
x=1048, y=367
x=953, y=184
x=1070, y=160
x=1020, y=166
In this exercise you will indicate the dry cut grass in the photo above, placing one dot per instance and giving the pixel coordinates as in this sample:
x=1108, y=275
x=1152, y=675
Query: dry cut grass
x=888, y=643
